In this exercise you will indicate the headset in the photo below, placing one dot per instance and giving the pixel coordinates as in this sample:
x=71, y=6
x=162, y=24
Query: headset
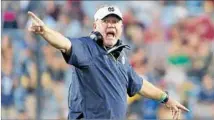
x=95, y=35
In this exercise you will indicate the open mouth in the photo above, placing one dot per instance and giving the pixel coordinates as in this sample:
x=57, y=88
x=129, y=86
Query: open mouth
x=110, y=34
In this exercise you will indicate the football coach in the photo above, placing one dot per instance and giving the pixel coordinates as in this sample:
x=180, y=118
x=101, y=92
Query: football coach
x=105, y=77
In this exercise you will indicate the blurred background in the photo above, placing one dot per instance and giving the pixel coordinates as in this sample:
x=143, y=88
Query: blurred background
x=172, y=46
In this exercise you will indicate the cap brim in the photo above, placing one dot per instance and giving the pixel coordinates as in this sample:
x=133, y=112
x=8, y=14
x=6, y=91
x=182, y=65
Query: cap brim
x=112, y=14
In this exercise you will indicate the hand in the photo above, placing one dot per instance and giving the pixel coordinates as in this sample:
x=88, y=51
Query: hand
x=176, y=108
x=37, y=25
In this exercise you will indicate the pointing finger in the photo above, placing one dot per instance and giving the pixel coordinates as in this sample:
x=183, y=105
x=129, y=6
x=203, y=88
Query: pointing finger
x=183, y=108
x=34, y=16
x=34, y=22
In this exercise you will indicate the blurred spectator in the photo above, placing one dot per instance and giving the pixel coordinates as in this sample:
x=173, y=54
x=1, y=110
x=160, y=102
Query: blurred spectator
x=74, y=9
x=178, y=50
x=139, y=107
x=205, y=28
x=209, y=8
x=87, y=25
x=53, y=82
x=51, y=13
x=206, y=94
x=144, y=10
x=7, y=92
x=7, y=47
x=139, y=61
x=134, y=33
x=205, y=99
x=194, y=7
x=201, y=57
x=68, y=25
x=9, y=19
x=8, y=81
x=25, y=97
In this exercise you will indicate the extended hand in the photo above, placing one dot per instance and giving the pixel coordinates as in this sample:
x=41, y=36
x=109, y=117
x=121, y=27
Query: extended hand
x=176, y=108
x=37, y=25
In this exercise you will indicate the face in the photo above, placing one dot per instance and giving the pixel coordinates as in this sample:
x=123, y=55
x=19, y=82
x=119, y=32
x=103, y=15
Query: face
x=111, y=29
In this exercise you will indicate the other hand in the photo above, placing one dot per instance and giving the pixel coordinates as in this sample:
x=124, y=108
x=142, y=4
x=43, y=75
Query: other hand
x=176, y=108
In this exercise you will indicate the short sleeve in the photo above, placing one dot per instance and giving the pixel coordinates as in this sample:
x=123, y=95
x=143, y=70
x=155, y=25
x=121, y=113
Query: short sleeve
x=78, y=56
x=135, y=82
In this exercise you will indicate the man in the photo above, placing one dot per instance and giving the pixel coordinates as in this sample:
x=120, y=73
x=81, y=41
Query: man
x=104, y=75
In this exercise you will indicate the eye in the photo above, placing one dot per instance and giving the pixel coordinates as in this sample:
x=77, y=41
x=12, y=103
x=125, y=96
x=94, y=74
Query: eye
x=115, y=21
x=110, y=21
x=105, y=21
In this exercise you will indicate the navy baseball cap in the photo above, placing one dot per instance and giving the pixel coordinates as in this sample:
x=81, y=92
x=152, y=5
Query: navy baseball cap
x=107, y=10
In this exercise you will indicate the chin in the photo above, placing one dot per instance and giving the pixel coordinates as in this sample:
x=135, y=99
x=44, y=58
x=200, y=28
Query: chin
x=110, y=43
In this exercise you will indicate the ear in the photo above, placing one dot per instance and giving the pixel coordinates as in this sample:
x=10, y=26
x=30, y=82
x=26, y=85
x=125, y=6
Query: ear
x=121, y=23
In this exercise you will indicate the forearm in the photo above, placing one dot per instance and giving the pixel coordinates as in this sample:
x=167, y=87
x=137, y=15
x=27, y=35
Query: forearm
x=56, y=39
x=150, y=91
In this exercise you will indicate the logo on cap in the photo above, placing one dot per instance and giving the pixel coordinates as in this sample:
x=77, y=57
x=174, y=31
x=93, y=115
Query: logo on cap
x=111, y=9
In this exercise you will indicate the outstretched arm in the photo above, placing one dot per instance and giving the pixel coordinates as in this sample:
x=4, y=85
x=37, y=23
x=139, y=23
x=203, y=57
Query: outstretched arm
x=54, y=38
x=150, y=91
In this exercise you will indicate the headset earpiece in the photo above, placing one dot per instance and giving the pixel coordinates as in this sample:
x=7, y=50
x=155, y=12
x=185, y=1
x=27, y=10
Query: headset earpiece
x=95, y=35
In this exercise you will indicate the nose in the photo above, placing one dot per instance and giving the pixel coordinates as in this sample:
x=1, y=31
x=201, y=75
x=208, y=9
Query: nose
x=111, y=24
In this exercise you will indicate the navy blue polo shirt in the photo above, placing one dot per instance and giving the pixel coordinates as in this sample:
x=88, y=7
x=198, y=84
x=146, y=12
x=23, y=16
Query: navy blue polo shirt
x=74, y=97
x=103, y=81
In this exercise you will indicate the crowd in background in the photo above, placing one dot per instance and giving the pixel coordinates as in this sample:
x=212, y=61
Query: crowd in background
x=172, y=45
